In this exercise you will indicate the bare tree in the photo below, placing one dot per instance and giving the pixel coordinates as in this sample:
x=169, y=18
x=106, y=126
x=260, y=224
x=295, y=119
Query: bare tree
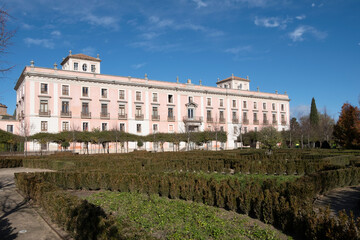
x=5, y=37
x=25, y=130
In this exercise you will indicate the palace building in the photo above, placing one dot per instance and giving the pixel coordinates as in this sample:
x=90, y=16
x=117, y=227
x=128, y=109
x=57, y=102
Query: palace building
x=78, y=96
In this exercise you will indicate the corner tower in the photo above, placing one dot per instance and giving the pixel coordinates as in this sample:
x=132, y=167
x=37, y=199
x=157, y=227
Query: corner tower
x=81, y=62
x=235, y=83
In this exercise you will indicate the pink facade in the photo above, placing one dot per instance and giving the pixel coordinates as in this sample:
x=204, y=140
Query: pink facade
x=54, y=100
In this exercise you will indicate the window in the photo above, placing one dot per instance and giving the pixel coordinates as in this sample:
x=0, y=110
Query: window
x=155, y=128
x=170, y=112
x=264, y=106
x=138, y=128
x=273, y=106
x=85, y=108
x=208, y=100
x=155, y=111
x=208, y=115
x=282, y=118
x=85, y=126
x=244, y=104
x=245, y=116
x=65, y=126
x=122, y=110
x=255, y=105
x=221, y=102
x=104, y=126
x=44, y=126
x=85, y=91
x=65, y=107
x=93, y=68
x=104, y=93
x=122, y=94
x=65, y=90
x=245, y=129
x=234, y=117
x=235, y=130
x=171, y=128
x=154, y=97
x=84, y=67
x=170, y=98
x=255, y=117
x=104, y=108
x=282, y=107
x=138, y=111
x=190, y=113
x=44, y=88
x=240, y=86
x=264, y=117
x=76, y=66
x=191, y=99
x=122, y=127
x=10, y=128
x=138, y=96
x=221, y=128
x=43, y=106
x=274, y=118
x=221, y=113
x=234, y=103
x=255, y=129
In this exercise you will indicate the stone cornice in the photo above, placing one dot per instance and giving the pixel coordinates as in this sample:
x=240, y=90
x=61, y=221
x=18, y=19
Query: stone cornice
x=148, y=85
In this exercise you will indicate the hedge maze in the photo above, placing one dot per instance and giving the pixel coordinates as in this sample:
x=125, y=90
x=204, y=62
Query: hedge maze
x=278, y=189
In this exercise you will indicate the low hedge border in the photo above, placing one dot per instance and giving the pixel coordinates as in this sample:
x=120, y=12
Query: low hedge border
x=11, y=162
x=79, y=217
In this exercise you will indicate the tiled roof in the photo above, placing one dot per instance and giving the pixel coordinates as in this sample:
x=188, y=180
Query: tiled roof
x=81, y=56
x=2, y=105
x=233, y=78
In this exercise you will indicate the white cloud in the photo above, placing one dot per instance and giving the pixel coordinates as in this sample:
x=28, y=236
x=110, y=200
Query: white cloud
x=150, y=35
x=89, y=51
x=46, y=43
x=271, y=22
x=300, y=17
x=27, y=26
x=298, y=34
x=300, y=111
x=313, y=5
x=56, y=33
x=107, y=21
x=240, y=49
x=139, y=65
x=156, y=22
x=200, y=3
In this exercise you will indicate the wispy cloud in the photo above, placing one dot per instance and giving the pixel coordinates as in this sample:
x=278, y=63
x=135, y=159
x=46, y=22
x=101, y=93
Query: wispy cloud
x=301, y=17
x=106, y=21
x=299, y=111
x=56, y=33
x=139, y=65
x=46, y=43
x=272, y=22
x=27, y=26
x=298, y=34
x=238, y=50
x=89, y=51
x=200, y=3
x=152, y=46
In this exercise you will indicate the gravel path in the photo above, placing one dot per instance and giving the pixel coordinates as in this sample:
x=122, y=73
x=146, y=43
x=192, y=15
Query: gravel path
x=18, y=220
x=347, y=198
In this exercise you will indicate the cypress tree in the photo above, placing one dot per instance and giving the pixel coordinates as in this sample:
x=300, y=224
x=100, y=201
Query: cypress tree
x=314, y=115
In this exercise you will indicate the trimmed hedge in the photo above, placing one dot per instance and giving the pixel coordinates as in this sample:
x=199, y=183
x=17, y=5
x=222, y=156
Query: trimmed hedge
x=11, y=162
x=81, y=218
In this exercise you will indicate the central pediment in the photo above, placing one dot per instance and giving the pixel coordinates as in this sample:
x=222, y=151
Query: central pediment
x=191, y=105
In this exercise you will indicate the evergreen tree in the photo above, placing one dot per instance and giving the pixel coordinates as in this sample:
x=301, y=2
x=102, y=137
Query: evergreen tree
x=314, y=115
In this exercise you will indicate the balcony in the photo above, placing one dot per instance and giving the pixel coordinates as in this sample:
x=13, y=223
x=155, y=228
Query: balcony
x=222, y=120
x=256, y=122
x=44, y=113
x=235, y=120
x=139, y=117
x=155, y=117
x=122, y=116
x=283, y=123
x=209, y=119
x=266, y=122
x=275, y=122
x=245, y=121
x=193, y=119
x=65, y=114
x=104, y=115
x=171, y=118
x=86, y=115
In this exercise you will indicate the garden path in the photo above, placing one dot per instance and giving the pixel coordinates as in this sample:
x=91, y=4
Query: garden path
x=18, y=220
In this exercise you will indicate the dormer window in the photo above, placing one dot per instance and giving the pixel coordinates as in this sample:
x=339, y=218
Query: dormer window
x=84, y=67
x=93, y=68
x=76, y=66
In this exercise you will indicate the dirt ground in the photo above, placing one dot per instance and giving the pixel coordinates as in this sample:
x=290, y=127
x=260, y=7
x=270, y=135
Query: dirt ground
x=18, y=219
x=347, y=198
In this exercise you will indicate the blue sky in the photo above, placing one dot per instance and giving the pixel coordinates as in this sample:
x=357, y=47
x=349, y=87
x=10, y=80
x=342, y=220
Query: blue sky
x=307, y=48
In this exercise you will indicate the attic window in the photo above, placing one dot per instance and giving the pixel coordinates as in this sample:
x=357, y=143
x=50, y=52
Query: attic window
x=92, y=68
x=84, y=67
x=76, y=66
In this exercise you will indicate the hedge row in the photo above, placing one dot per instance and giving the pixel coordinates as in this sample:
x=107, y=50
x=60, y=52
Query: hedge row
x=79, y=217
x=228, y=161
x=287, y=206
x=11, y=162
